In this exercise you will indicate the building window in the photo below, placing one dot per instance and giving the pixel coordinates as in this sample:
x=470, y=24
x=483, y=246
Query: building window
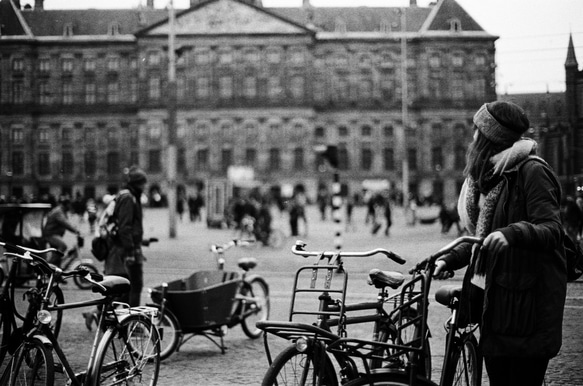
x=181, y=160
x=44, y=164
x=133, y=90
x=273, y=56
x=250, y=156
x=43, y=135
x=67, y=164
x=17, y=92
x=112, y=137
x=251, y=57
x=226, y=87
x=113, y=28
x=388, y=159
x=113, y=164
x=203, y=88
x=134, y=157
x=17, y=64
x=112, y=92
x=226, y=159
x=17, y=163
x=225, y=57
x=113, y=63
x=412, y=157
x=44, y=65
x=366, y=158
x=343, y=158
x=365, y=89
x=44, y=93
x=480, y=88
x=68, y=29
x=319, y=90
x=342, y=131
x=297, y=58
x=388, y=131
x=90, y=135
x=17, y=135
x=202, y=159
x=457, y=87
x=67, y=135
x=274, y=87
x=154, y=88
x=202, y=58
x=434, y=61
x=90, y=163
x=341, y=89
x=457, y=60
x=437, y=158
x=155, y=161
x=366, y=131
x=299, y=158
x=459, y=160
x=455, y=25
x=67, y=65
x=480, y=60
x=250, y=87
x=89, y=64
x=67, y=93
x=274, y=159
x=180, y=87
x=320, y=132
x=90, y=93
x=297, y=87
x=153, y=58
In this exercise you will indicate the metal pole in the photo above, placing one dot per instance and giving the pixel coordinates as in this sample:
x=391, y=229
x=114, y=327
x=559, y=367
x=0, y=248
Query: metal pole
x=404, y=110
x=171, y=164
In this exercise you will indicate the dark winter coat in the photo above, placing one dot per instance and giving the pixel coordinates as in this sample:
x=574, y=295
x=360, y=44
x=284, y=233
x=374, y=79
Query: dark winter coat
x=525, y=290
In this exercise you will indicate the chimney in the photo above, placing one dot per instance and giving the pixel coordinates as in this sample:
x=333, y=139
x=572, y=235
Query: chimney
x=150, y=4
x=413, y=3
x=39, y=5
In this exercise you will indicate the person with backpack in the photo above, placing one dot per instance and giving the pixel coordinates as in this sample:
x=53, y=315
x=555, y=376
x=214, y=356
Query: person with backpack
x=515, y=284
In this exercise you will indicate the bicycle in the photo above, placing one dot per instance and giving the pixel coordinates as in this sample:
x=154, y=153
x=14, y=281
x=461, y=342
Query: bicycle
x=274, y=239
x=9, y=313
x=208, y=302
x=72, y=259
x=462, y=364
x=306, y=360
x=125, y=349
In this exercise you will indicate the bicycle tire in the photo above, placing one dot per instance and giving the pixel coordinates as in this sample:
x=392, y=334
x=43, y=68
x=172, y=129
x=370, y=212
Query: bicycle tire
x=56, y=297
x=464, y=356
x=385, y=334
x=258, y=310
x=82, y=283
x=388, y=378
x=292, y=367
x=128, y=353
x=171, y=332
x=31, y=365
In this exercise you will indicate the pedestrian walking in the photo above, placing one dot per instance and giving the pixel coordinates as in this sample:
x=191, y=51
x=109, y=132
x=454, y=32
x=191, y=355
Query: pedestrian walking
x=515, y=285
x=91, y=209
x=388, y=215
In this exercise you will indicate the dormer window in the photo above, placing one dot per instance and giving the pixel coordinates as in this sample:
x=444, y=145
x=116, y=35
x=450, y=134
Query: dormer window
x=340, y=26
x=113, y=29
x=68, y=29
x=385, y=26
x=455, y=25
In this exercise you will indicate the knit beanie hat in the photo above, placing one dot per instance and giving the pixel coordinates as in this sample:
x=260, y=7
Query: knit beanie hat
x=136, y=176
x=503, y=123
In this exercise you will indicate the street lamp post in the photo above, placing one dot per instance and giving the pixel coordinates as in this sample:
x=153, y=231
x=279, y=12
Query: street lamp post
x=402, y=134
x=171, y=164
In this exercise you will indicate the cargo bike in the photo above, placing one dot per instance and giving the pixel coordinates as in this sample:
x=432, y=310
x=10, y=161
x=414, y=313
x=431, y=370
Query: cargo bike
x=207, y=303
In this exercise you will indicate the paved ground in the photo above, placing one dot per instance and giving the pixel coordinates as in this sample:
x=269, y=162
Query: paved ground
x=199, y=362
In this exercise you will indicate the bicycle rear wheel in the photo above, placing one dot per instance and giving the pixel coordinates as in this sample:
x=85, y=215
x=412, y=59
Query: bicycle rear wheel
x=292, y=367
x=32, y=364
x=464, y=364
x=56, y=297
x=254, y=310
x=128, y=353
x=81, y=282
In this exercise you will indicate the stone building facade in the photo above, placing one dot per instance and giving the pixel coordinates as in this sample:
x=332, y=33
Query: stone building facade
x=83, y=94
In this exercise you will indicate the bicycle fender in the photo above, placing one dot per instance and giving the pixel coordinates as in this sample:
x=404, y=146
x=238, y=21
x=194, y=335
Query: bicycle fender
x=43, y=339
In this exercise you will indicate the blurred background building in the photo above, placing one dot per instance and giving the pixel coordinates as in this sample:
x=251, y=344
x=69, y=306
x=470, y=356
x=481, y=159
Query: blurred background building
x=83, y=94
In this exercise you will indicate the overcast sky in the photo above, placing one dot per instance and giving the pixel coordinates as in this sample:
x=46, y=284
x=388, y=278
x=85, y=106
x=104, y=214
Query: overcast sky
x=533, y=34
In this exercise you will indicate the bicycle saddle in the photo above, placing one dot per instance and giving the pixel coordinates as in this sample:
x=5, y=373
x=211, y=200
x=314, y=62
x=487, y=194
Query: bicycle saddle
x=247, y=263
x=381, y=279
x=112, y=286
x=446, y=293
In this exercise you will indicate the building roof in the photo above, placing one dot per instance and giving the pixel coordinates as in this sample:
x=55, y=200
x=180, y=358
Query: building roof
x=88, y=22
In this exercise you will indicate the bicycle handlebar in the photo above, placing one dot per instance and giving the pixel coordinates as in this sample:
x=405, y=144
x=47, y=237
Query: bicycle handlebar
x=298, y=249
x=445, y=250
x=31, y=250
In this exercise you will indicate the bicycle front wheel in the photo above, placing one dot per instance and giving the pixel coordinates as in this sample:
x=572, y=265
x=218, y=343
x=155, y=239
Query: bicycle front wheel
x=464, y=364
x=388, y=378
x=32, y=364
x=292, y=367
x=128, y=353
x=255, y=306
x=56, y=297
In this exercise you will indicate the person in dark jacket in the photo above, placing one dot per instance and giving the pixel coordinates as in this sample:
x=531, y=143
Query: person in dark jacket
x=518, y=276
x=57, y=223
x=125, y=257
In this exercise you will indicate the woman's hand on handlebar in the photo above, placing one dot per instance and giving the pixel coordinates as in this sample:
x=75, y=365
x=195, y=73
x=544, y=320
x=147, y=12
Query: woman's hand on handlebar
x=441, y=272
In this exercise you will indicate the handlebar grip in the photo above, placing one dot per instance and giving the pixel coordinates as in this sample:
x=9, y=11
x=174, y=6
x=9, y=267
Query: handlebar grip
x=396, y=258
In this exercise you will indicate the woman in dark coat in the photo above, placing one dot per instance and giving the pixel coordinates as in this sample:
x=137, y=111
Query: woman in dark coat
x=512, y=200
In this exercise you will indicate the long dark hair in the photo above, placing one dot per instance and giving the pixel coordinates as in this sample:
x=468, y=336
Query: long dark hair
x=478, y=156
